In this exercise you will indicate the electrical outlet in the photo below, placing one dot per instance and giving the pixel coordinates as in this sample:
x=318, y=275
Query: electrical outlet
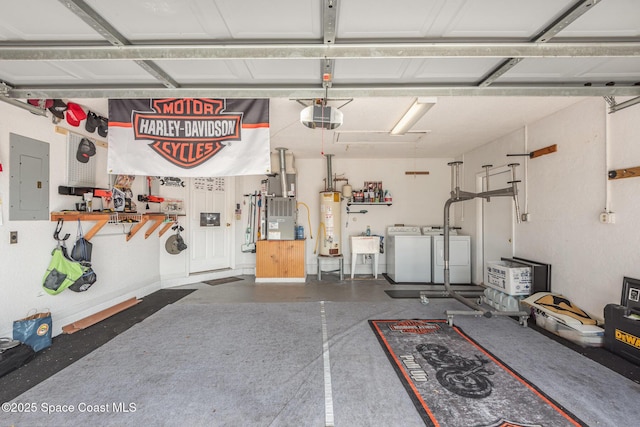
x=612, y=218
x=13, y=237
x=607, y=218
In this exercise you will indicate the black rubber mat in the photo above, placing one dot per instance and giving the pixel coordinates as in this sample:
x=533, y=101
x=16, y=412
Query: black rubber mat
x=66, y=349
x=600, y=355
x=393, y=282
x=222, y=281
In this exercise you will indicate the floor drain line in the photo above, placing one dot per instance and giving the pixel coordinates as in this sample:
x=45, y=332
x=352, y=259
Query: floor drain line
x=328, y=394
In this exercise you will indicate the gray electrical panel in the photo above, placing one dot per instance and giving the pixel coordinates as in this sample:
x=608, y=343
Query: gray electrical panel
x=281, y=218
x=29, y=179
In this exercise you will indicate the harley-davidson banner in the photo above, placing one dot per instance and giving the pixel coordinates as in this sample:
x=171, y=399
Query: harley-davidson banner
x=189, y=137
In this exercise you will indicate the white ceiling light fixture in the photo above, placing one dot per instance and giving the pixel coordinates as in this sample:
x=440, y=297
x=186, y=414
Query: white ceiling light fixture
x=413, y=114
x=356, y=137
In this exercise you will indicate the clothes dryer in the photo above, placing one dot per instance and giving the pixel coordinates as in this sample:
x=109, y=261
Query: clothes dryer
x=459, y=259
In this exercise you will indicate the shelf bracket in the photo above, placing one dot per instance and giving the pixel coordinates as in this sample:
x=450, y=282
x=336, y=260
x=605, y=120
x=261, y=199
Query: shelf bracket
x=165, y=228
x=137, y=227
x=99, y=218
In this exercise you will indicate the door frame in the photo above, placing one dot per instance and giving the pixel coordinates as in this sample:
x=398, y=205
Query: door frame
x=230, y=186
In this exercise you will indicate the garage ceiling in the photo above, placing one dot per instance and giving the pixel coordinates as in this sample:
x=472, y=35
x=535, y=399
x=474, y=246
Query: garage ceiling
x=494, y=65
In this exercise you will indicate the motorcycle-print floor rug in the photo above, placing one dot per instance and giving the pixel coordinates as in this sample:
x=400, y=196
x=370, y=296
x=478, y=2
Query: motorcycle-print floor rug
x=453, y=381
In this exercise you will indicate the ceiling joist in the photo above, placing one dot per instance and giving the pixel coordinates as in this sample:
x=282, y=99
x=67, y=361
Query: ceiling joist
x=168, y=52
x=315, y=92
x=106, y=30
x=560, y=23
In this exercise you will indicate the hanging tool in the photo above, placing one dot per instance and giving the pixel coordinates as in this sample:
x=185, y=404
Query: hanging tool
x=253, y=221
x=149, y=188
x=537, y=153
x=175, y=244
x=361, y=211
x=248, y=245
x=56, y=233
x=259, y=215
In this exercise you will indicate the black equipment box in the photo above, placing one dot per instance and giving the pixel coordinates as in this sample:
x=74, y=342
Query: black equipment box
x=622, y=331
x=622, y=322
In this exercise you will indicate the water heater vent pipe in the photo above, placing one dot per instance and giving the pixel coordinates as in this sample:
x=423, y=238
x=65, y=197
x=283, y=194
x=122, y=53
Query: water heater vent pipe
x=329, y=173
x=283, y=170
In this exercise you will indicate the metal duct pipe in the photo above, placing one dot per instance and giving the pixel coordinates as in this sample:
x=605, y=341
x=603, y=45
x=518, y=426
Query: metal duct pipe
x=329, y=173
x=31, y=108
x=283, y=170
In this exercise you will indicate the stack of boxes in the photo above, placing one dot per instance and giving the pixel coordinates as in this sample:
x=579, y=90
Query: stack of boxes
x=508, y=283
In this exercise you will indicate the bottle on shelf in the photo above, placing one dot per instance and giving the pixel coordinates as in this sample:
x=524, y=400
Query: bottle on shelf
x=368, y=231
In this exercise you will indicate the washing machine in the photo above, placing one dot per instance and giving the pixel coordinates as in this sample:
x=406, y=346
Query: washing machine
x=408, y=254
x=459, y=258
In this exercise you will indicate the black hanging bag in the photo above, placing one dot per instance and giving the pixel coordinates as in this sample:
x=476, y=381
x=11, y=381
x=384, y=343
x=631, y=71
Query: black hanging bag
x=81, y=253
x=82, y=249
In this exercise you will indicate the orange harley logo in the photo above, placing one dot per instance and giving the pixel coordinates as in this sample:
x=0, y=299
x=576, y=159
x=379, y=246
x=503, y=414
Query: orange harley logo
x=187, y=131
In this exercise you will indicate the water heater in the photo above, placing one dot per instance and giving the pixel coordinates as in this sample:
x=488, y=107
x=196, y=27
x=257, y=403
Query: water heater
x=330, y=231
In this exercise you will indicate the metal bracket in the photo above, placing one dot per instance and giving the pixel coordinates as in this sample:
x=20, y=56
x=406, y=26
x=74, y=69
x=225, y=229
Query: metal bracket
x=614, y=106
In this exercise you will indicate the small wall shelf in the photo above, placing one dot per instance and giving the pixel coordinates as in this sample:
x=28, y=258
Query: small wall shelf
x=368, y=203
x=102, y=218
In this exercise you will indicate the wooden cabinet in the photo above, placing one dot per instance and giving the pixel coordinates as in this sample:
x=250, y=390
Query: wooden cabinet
x=280, y=261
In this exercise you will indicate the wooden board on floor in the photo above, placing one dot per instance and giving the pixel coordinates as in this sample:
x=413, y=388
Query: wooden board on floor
x=99, y=316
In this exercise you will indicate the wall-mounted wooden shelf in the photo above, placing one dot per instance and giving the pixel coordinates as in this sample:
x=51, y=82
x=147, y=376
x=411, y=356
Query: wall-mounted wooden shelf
x=369, y=203
x=102, y=218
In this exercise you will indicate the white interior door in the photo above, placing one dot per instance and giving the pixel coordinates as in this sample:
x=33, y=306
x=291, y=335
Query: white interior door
x=497, y=221
x=209, y=224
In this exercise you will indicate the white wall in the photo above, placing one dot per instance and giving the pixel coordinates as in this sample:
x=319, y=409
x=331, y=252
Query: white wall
x=417, y=200
x=567, y=192
x=124, y=269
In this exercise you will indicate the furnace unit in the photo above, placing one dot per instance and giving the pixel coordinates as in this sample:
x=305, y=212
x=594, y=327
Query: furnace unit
x=281, y=218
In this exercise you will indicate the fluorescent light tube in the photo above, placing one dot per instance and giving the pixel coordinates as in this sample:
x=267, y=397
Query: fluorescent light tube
x=413, y=114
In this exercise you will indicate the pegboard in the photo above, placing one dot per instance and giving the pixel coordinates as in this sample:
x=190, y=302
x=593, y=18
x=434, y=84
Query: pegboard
x=79, y=174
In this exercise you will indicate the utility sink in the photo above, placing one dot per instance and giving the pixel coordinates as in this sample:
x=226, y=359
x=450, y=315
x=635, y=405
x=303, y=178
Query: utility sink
x=365, y=244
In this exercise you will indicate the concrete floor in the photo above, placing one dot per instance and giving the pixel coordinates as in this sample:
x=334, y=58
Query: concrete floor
x=330, y=288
